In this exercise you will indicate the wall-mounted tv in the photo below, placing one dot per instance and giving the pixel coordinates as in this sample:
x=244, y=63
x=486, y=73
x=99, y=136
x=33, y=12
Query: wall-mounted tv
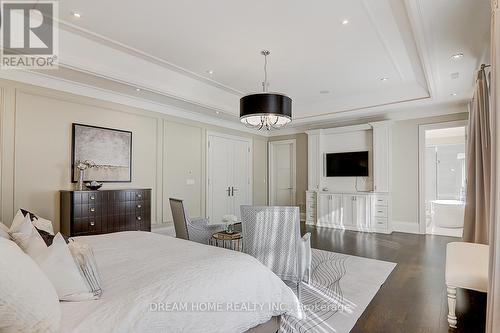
x=351, y=164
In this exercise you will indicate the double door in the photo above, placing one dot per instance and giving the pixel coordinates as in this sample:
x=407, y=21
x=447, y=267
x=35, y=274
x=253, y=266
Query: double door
x=346, y=211
x=229, y=174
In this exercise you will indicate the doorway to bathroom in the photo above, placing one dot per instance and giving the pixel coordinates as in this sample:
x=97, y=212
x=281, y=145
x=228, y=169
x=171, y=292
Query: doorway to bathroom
x=442, y=178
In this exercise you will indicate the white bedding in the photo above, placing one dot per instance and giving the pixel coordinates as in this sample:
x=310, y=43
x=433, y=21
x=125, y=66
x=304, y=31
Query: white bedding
x=140, y=269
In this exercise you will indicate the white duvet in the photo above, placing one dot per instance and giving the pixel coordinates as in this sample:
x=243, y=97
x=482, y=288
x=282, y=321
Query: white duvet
x=155, y=283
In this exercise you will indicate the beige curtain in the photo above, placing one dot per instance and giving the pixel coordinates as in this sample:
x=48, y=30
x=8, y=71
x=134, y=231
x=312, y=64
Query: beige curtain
x=477, y=208
x=493, y=309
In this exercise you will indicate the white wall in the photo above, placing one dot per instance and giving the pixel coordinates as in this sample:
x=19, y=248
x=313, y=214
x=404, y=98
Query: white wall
x=405, y=169
x=36, y=149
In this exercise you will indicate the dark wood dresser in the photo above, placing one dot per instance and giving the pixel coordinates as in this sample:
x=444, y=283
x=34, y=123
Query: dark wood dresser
x=105, y=211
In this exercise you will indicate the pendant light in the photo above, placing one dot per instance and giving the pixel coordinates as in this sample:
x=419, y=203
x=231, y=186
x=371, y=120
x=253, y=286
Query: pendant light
x=265, y=110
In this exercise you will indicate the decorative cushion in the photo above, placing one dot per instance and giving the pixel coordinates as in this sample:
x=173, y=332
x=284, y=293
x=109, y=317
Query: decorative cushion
x=4, y=231
x=26, y=236
x=39, y=222
x=467, y=266
x=28, y=301
x=84, y=256
x=62, y=270
x=48, y=238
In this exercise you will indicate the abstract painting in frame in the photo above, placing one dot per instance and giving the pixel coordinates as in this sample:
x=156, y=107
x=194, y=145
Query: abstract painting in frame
x=110, y=150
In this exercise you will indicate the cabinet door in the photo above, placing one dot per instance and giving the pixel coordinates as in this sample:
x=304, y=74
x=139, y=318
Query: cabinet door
x=324, y=212
x=313, y=160
x=336, y=210
x=361, y=212
x=348, y=211
x=381, y=158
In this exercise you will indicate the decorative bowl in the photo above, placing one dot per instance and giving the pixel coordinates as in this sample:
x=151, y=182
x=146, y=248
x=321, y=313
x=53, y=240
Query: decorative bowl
x=94, y=186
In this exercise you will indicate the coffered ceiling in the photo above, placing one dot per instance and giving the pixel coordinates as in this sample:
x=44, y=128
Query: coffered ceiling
x=334, y=58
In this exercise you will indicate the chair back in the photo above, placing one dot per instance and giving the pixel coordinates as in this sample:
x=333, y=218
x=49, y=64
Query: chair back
x=271, y=235
x=180, y=218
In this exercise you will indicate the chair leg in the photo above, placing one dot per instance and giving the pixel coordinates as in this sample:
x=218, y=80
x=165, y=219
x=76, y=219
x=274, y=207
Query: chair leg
x=299, y=291
x=452, y=302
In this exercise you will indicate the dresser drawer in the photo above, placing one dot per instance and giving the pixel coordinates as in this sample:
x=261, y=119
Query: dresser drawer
x=381, y=211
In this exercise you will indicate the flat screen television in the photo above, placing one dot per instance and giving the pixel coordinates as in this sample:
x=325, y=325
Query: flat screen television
x=352, y=164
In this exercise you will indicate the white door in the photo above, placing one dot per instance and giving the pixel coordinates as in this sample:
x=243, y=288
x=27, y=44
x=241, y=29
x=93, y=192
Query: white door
x=240, y=194
x=229, y=175
x=282, y=173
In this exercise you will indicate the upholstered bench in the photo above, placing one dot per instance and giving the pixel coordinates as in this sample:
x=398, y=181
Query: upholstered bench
x=467, y=268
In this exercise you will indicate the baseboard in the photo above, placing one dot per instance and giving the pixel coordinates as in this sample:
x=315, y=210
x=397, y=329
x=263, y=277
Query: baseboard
x=406, y=227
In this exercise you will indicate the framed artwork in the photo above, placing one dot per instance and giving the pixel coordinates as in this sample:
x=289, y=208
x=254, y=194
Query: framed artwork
x=108, y=150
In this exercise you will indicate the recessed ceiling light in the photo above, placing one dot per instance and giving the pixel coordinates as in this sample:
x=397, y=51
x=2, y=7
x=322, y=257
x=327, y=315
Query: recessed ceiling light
x=453, y=94
x=76, y=14
x=384, y=79
x=324, y=91
x=345, y=21
x=137, y=89
x=210, y=71
x=217, y=112
x=457, y=56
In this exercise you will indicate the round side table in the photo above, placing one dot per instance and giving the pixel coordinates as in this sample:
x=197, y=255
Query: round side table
x=232, y=241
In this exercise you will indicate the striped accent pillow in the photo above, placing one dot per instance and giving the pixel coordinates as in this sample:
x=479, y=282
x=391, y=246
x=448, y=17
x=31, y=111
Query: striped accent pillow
x=85, y=260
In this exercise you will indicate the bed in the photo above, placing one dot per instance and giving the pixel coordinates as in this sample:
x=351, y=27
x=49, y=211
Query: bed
x=156, y=283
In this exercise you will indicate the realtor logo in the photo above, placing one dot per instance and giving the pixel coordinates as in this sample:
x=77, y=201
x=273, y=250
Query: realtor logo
x=29, y=34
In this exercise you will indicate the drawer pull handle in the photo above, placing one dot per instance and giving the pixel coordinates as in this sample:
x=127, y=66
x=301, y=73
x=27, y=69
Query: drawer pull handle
x=92, y=197
x=92, y=223
x=139, y=218
x=380, y=211
x=139, y=206
x=92, y=210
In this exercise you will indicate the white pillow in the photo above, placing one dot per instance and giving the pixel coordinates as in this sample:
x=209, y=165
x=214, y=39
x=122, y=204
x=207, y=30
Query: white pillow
x=4, y=231
x=59, y=266
x=25, y=235
x=28, y=301
x=84, y=256
x=43, y=224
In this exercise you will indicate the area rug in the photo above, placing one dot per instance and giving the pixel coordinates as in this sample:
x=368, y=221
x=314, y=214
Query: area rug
x=342, y=286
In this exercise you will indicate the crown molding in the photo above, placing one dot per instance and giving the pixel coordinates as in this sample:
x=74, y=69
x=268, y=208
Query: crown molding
x=81, y=89
x=72, y=28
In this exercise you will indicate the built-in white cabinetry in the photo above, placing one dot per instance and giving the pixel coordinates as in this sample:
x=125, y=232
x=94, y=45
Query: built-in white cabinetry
x=381, y=157
x=313, y=162
x=353, y=203
x=367, y=212
x=311, y=207
x=330, y=210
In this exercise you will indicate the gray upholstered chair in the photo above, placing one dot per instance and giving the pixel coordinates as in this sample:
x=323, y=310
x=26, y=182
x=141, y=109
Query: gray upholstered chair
x=272, y=235
x=194, y=230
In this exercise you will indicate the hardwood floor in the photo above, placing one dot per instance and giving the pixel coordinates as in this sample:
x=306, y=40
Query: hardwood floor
x=413, y=299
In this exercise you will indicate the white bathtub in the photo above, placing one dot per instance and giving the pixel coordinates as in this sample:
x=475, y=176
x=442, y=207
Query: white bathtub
x=448, y=213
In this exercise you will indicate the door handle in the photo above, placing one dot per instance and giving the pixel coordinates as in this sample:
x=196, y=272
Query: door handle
x=228, y=191
x=233, y=189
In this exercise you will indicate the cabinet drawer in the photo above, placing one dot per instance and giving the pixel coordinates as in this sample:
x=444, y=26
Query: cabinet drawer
x=311, y=196
x=382, y=201
x=380, y=211
x=380, y=222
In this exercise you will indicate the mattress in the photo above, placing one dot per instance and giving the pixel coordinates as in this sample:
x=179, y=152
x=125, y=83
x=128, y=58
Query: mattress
x=156, y=283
